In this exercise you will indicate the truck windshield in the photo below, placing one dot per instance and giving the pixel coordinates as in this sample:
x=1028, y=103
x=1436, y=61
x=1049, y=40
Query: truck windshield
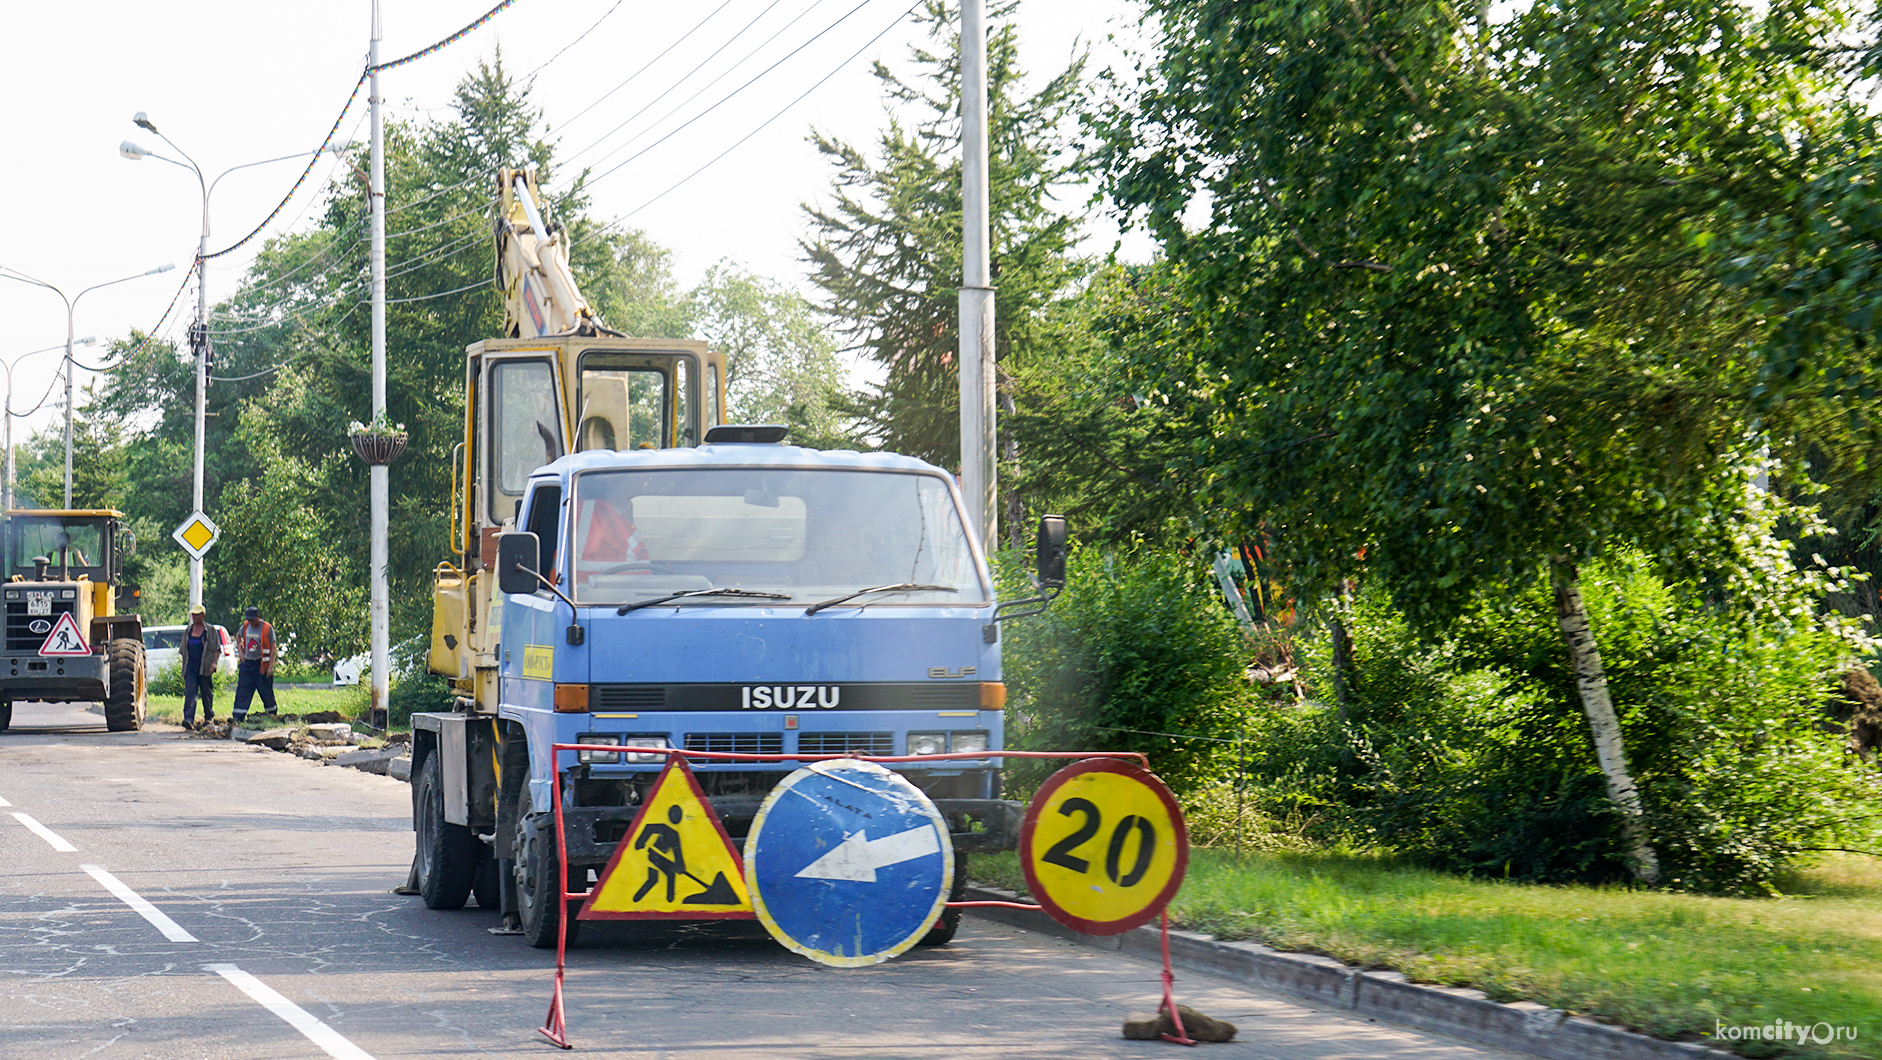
x=810, y=534
x=31, y=537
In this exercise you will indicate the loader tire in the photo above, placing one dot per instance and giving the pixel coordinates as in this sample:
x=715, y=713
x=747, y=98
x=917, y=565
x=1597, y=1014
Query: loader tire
x=124, y=703
x=448, y=854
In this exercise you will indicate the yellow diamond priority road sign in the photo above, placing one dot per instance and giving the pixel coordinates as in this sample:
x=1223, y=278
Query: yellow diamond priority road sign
x=197, y=535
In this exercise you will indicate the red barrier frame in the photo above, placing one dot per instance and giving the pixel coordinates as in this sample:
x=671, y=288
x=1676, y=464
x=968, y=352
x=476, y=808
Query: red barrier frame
x=555, y=1024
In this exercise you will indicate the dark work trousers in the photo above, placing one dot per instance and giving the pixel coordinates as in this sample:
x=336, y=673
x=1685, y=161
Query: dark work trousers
x=193, y=685
x=248, y=680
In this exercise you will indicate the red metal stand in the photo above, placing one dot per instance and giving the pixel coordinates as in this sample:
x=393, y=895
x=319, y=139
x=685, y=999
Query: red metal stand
x=1181, y=1037
x=555, y=1024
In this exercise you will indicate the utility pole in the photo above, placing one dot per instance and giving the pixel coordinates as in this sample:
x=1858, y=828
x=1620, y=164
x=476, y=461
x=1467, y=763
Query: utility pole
x=381, y=665
x=979, y=473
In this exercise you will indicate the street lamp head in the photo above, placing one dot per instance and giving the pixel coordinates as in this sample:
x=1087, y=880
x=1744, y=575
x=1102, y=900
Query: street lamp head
x=132, y=151
x=143, y=121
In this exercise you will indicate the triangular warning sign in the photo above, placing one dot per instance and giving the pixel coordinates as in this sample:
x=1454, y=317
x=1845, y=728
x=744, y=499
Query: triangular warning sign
x=675, y=863
x=65, y=639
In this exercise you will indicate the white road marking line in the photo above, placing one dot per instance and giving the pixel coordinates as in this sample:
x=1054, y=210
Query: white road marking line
x=170, y=928
x=46, y=834
x=297, y=1017
x=4, y=802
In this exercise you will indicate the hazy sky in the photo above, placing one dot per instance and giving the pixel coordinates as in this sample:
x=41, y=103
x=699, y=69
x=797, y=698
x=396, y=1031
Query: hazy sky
x=234, y=82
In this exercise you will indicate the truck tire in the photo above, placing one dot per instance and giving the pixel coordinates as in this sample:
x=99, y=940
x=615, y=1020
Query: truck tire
x=6, y=712
x=538, y=881
x=448, y=854
x=124, y=703
x=949, y=921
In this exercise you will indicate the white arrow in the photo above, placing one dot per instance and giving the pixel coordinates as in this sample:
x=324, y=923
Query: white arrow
x=857, y=857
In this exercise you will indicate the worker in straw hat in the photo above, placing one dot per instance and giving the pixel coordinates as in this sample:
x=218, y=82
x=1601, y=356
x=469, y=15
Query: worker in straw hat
x=202, y=650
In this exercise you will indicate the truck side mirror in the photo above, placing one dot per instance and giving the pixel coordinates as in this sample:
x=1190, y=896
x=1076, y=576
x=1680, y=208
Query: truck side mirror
x=517, y=549
x=1052, y=540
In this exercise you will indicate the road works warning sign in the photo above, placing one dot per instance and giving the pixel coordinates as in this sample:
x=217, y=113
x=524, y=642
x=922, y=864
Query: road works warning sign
x=675, y=863
x=65, y=639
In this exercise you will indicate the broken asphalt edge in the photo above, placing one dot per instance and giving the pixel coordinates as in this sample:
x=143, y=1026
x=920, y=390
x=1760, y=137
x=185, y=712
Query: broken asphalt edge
x=1522, y=1026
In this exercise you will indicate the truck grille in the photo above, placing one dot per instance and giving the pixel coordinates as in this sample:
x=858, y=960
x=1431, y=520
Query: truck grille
x=846, y=743
x=20, y=634
x=629, y=697
x=945, y=697
x=755, y=743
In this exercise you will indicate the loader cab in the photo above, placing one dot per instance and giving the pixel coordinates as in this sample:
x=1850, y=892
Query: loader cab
x=64, y=545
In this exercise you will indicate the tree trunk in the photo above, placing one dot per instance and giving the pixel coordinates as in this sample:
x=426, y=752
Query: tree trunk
x=1610, y=751
x=1342, y=652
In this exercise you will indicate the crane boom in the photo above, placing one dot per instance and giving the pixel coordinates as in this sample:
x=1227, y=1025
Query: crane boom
x=540, y=295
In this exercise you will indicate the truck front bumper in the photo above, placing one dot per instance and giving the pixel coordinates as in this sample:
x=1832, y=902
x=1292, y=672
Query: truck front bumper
x=54, y=679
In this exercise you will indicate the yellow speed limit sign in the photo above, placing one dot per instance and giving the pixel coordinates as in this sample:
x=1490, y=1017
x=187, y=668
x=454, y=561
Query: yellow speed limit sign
x=1103, y=846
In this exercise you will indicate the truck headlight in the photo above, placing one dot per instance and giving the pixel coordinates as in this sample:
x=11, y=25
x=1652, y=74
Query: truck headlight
x=968, y=742
x=927, y=743
x=599, y=758
x=646, y=741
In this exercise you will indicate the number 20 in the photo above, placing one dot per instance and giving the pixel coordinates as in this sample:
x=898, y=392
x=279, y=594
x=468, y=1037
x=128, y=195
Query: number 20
x=1061, y=852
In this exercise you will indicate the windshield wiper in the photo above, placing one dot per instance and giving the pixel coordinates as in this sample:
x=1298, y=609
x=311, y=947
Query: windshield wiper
x=689, y=593
x=905, y=587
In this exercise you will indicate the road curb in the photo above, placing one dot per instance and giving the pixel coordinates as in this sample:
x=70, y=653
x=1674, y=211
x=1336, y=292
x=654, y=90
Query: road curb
x=1523, y=1026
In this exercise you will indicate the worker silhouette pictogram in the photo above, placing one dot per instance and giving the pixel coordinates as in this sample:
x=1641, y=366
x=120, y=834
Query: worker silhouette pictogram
x=666, y=858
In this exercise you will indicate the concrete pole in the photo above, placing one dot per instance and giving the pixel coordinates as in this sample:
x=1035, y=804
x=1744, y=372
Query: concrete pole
x=979, y=473
x=69, y=309
x=202, y=388
x=381, y=646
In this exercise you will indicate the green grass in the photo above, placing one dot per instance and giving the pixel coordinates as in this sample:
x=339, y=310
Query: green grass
x=349, y=701
x=1673, y=965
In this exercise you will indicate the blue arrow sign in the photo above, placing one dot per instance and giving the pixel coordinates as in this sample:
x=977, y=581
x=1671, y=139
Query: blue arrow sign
x=848, y=863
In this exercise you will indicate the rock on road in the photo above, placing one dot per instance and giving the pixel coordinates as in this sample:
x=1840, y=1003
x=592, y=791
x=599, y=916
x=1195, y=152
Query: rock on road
x=225, y=903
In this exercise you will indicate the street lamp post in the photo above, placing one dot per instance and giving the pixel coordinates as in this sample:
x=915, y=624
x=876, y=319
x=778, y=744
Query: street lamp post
x=199, y=333
x=6, y=498
x=71, y=305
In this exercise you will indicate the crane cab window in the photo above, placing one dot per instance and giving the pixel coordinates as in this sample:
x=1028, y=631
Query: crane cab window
x=525, y=431
x=637, y=401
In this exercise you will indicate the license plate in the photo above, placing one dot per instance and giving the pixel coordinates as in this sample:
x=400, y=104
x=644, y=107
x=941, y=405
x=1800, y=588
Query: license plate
x=39, y=603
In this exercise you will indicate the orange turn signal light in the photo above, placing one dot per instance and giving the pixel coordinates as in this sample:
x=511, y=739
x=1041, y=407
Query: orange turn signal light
x=992, y=695
x=571, y=699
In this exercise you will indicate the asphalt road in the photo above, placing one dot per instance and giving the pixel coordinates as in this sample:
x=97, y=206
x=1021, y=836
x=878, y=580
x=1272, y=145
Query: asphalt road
x=169, y=897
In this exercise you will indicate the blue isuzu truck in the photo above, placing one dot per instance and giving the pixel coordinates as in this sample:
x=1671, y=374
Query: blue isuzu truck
x=630, y=571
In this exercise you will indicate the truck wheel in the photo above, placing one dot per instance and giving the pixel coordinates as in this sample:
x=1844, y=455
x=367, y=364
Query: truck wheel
x=950, y=920
x=6, y=713
x=538, y=881
x=124, y=703
x=447, y=853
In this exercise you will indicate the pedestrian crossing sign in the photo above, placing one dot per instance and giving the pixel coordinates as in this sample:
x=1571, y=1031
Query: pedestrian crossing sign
x=675, y=862
x=65, y=639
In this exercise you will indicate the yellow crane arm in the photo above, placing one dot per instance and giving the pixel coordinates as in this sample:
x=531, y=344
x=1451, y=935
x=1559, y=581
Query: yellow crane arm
x=540, y=295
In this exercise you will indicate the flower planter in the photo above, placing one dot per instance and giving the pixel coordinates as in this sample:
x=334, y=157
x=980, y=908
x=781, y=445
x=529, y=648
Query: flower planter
x=377, y=448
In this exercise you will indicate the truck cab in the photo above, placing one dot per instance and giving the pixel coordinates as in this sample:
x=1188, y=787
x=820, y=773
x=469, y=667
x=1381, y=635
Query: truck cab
x=739, y=596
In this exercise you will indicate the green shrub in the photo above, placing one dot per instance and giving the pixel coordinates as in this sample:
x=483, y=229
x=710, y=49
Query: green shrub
x=167, y=681
x=1471, y=753
x=1136, y=647
x=416, y=693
